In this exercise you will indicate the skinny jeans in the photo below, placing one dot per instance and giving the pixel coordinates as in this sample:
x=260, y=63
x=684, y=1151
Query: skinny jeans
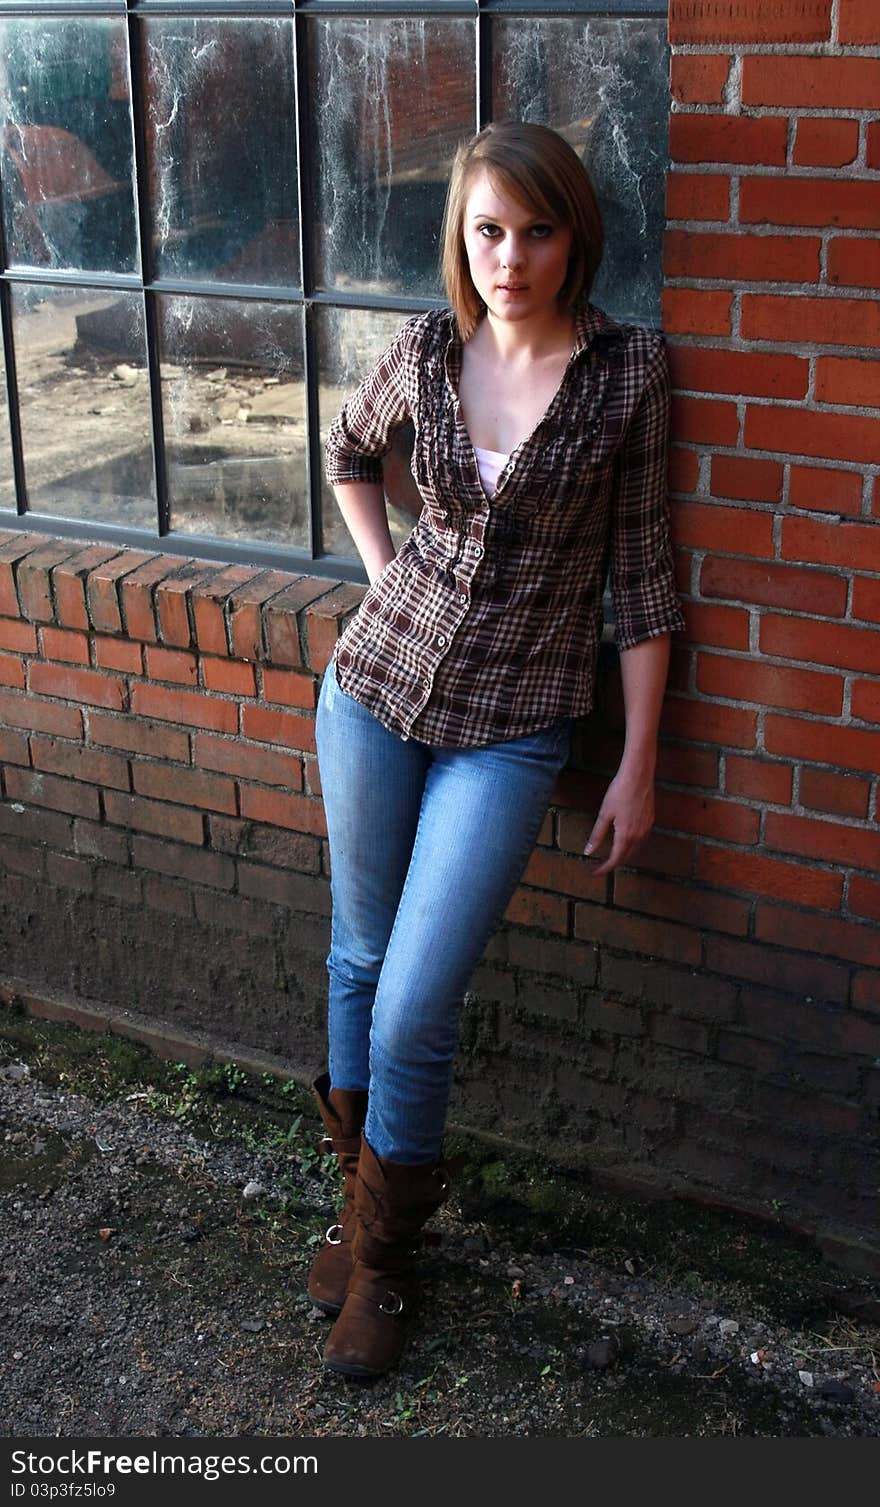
x=427, y=845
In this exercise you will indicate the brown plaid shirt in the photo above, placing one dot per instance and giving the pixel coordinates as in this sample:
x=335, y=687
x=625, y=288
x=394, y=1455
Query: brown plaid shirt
x=486, y=624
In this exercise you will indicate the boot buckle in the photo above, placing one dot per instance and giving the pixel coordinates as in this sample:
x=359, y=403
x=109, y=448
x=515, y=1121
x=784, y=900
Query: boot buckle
x=332, y=1237
x=392, y=1304
x=325, y=1145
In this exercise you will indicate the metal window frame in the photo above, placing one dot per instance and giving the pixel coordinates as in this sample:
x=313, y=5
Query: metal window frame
x=306, y=297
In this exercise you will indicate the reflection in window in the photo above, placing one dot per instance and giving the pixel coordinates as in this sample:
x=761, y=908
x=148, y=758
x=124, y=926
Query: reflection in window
x=66, y=144
x=393, y=99
x=85, y=404
x=7, y=478
x=602, y=83
x=234, y=409
x=221, y=136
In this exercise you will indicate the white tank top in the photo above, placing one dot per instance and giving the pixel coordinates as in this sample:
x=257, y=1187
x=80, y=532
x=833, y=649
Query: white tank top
x=490, y=464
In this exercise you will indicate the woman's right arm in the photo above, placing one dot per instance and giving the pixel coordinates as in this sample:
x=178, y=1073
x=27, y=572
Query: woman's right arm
x=362, y=505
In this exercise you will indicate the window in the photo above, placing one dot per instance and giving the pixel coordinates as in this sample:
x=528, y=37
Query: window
x=212, y=223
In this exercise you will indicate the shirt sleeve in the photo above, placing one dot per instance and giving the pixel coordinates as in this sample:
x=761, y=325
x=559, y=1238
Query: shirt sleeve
x=642, y=574
x=362, y=431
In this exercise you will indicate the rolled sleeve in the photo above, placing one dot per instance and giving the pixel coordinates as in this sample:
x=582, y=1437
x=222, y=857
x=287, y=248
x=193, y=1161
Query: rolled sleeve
x=363, y=430
x=642, y=572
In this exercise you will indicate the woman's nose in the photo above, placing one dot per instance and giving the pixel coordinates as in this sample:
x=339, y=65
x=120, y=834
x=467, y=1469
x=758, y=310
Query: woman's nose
x=512, y=253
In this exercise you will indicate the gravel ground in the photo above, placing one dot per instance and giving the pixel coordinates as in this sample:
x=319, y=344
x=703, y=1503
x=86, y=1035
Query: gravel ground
x=152, y=1279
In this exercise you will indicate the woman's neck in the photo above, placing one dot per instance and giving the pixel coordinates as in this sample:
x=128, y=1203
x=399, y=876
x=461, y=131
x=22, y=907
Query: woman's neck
x=524, y=341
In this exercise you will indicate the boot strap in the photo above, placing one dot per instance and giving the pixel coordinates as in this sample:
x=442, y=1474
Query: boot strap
x=383, y=1295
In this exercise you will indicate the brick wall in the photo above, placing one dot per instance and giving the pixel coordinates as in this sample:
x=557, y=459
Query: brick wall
x=708, y=1022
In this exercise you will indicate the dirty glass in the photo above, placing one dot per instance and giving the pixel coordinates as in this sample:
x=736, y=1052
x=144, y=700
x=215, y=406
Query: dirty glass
x=393, y=97
x=66, y=144
x=234, y=409
x=349, y=342
x=221, y=141
x=7, y=478
x=602, y=83
x=85, y=404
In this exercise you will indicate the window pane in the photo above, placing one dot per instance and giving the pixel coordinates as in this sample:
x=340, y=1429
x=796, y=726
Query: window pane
x=603, y=84
x=350, y=342
x=7, y=478
x=233, y=401
x=222, y=148
x=66, y=145
x=85, y=404
x=392, y=99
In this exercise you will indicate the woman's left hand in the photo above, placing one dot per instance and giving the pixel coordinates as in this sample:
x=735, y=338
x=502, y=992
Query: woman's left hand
x=628, y=810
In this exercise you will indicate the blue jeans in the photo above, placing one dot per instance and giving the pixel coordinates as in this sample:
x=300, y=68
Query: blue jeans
x=427, y=845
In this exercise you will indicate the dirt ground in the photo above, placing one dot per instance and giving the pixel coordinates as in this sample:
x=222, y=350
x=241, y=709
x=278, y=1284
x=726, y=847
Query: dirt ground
x=157, y=1223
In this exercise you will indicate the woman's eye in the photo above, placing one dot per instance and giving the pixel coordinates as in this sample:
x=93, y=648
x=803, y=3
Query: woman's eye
x=488, y=229
x=542, y=231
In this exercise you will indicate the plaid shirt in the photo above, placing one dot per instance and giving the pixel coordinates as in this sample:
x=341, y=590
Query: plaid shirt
x=486, y=624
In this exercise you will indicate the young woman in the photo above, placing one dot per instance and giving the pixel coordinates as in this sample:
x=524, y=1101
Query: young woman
x=445, y=716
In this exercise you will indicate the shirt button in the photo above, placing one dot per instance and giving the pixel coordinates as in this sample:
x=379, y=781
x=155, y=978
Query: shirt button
x=462, y=597
x=441, y=640
x=478, y=550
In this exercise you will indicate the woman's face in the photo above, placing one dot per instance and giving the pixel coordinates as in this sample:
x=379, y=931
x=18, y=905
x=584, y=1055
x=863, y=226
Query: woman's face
x=518, y=259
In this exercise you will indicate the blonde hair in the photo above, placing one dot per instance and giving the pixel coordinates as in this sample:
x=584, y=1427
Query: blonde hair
x=536, y=166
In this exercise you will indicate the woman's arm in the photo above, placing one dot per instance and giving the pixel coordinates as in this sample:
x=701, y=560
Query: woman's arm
x=362, y=505
x=628, y=805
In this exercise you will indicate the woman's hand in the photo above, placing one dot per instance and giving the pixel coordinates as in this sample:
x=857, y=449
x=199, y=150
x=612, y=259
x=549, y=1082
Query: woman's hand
x=628, y=810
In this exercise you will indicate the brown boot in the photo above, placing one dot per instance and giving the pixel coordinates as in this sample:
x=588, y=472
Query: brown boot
x=392, y=1203
x=343, y=1111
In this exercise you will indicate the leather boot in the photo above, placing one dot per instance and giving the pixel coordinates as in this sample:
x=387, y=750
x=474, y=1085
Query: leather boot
x=343, y=1111
x=392, y=1203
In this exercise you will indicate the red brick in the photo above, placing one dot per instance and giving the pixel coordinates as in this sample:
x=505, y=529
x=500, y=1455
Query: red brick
x=266, y=726
x=822, y=742
x=866, y=700
x=769, y=685
x=197, y=866
x=154, y=816
x=705, y=816
x=866, y=991
x=758, y=779
x=697, y=196
x=660, y=939
x=46, y=716
x=848, y=545
x=830, y=841
x=38, y=789
x=324, y=623
x=566, y=876
x=823, y=321
x=298, y=812
x=771, y=200
x=136, y=593
x=748, y=372
x=855, y=381
x=172, y=597
x=727, y=868
x=824, y=142
x=59, y=643
x=681, y=902
x=12, y=671
x=696, y=311
x=229, y=676
x=208, y=604
x=768, y=258
x=866, y=598
x=801, y=431
x=684, y=469
x=773, y=968
x=189, y=707
x=281, y=620
x=827, y=935
x=102, y=589
x=822, y=643
x=34, y=578
x=872, y=151
x=698, y=78
x=703, y=422
x=854, y=262
x=728, y=138
x=724, y=627
x=701, y=525
x=826, y=490
x=189, y=787
x=118, y=654
x=77, y=685
x=139, y=737
x=859, y=23
x=79, y=763
x=532, y=908
x=772, y=585
x=842, y=83
x=13, y=747
x=177, y=665
x=232, y=756
x=708, y=723
x=245, y=612
x=287, y=688
x=13, y=550
x=69, y=582
x=706, y=21
x=751, y=480
x=840, y=794
x=864, y=897
x=687, y=766
x=22, y=637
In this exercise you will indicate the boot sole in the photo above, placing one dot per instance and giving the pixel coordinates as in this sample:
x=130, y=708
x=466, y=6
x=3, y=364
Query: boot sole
x=332, y=1309
x=351, y=1368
